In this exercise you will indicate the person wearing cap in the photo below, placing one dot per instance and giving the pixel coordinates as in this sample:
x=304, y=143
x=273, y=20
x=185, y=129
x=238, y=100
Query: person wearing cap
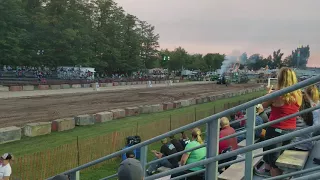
x=5, y=168
x=130, y=169
x=260, y=112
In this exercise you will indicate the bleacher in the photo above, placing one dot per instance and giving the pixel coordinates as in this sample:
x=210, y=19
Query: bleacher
x=296, y=164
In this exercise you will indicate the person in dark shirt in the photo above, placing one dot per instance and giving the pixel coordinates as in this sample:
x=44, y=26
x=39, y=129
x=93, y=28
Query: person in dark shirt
x=177, y=144
x=166, y=149
x=184, y=140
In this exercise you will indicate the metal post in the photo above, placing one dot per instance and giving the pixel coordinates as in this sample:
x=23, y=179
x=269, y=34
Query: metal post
x=212, y=148
x=75, y=175
x=143, y=158
x=250, y=124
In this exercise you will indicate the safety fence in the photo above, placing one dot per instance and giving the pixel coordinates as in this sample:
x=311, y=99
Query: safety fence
x=41, y=165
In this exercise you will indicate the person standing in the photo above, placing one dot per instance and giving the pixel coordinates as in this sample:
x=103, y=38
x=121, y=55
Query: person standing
x=5, y=168
x=282, y=106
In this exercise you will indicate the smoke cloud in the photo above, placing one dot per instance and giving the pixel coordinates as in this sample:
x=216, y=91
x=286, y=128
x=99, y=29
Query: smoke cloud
x=234, y=57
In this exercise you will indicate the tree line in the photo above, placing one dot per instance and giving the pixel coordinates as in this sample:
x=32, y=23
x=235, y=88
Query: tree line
x=100, y=34
x=297, y=59
x=95, y=33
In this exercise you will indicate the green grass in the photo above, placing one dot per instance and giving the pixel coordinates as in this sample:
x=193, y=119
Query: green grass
x=37, y=144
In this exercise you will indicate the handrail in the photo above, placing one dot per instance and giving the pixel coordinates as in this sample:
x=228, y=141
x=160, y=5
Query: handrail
x=233, y=153
x=204, y=121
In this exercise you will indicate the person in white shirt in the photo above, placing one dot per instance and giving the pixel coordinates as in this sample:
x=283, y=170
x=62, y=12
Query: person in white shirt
x=5, y=168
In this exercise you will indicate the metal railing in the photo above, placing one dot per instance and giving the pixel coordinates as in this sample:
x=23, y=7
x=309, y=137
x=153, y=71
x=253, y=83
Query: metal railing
x=213, y=156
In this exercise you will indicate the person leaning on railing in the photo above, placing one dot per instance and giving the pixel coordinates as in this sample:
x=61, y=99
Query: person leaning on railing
x=280, y=107
x=195, y=155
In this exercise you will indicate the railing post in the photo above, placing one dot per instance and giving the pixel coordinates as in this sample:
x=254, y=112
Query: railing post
x=250, y=135
x=75, y=176
x=143, y=158
x=212, y=148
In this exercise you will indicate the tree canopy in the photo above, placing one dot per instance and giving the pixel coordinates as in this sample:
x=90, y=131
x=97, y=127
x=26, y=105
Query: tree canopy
x=96, y=33
x=100, y=34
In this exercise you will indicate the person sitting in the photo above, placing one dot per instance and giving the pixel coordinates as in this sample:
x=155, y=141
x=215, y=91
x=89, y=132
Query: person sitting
x=195, y=155
x=259, y=133
x=130, y=169
x=166, y=149
x=177, y=144
x=306, y=119
x=184, y=140
x=234, y=125
x=260, y=112
x=226, y=130
x=130, y=154
x=228, y=144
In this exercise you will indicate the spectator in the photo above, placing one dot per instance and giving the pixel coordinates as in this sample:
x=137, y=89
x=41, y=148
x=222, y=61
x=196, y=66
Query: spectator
x=61, y=177
x=280, y=107
x=5, y=168
x=310, y=99
x=195, y=155
x=166, y=149
x=130, y=154
x=312, y=95
x=184, y=140
x=177, y=144
x=260, y=112
x=234, y=125
x=130, y=169
x=259, y=133
x=226, y=130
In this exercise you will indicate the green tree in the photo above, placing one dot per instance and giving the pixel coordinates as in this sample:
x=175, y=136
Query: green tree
x=13, y=35
x=277, y=59
x=149, y=44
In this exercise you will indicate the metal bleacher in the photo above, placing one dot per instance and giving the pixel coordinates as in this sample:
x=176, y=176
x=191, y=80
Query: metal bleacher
x=250, y=151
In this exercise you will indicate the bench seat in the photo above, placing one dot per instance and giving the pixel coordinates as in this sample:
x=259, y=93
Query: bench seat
x=236, y=171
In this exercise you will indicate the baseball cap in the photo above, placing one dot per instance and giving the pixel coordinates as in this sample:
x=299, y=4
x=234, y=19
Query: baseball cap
x=130, y=169
x=259, y=106
x=6, y=156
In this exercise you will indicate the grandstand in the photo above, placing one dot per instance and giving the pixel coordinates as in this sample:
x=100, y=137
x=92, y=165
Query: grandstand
x=296, y=164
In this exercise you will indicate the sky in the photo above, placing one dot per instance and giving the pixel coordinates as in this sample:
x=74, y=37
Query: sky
x=223, y=26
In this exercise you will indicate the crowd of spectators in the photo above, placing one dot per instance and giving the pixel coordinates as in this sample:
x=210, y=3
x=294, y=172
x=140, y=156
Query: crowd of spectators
x=23, y=71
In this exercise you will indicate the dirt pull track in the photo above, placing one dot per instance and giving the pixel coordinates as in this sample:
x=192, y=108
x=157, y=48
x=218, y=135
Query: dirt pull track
x=19, y=111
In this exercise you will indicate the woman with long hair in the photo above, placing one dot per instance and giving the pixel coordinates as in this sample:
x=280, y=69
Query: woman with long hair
x=310, y=99
x=282, y=106
x=195, y=155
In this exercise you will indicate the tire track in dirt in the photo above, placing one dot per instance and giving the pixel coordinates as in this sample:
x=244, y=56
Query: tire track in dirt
x=19, y=111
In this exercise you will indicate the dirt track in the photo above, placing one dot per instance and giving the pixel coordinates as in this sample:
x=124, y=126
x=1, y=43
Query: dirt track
x=19, y=111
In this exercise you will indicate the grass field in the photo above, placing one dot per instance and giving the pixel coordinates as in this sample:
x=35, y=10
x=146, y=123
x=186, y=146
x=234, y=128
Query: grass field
x=28, y=146
x=110, y=168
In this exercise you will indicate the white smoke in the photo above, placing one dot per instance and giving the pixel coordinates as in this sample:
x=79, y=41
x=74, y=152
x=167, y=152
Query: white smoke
x=229, y=60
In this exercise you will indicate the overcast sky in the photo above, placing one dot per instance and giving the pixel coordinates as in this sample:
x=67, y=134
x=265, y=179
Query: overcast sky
x=252, y=26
